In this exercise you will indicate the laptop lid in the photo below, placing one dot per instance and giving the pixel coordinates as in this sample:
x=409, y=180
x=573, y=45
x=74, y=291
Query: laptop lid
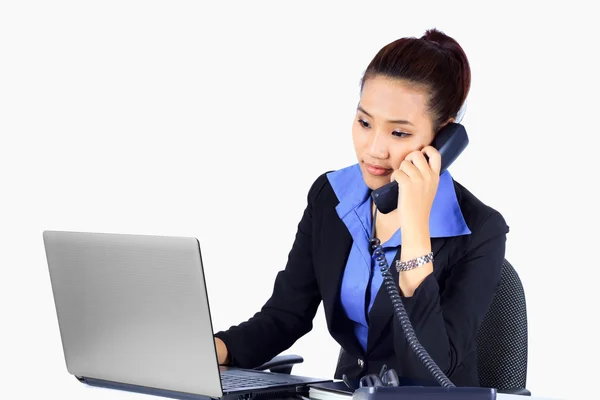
x=133, y=309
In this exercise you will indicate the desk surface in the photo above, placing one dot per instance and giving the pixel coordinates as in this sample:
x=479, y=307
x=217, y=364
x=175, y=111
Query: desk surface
x=95, y=393
x=500, y=396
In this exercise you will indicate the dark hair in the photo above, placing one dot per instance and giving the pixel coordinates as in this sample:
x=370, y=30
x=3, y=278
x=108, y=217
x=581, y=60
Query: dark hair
x=435, y=62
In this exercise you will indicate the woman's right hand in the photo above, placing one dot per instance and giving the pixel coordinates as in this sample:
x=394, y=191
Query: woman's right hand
x=222, y=352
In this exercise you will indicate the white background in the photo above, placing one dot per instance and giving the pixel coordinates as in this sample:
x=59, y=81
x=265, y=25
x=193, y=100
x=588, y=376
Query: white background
x=176, y=118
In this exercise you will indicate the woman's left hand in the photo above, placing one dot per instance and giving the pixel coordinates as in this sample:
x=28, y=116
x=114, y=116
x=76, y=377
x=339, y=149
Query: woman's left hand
x=418, y=182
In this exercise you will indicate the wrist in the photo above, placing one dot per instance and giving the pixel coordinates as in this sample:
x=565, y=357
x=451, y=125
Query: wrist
x=222, y=352
x=416, y=241
x=419, y=259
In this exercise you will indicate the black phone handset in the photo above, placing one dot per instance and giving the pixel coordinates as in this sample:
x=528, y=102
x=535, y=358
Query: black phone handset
x=450, y=141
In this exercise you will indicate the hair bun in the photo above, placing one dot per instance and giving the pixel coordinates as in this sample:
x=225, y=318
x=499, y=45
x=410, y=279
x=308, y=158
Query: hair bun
x=438, y=37
x=451, y=46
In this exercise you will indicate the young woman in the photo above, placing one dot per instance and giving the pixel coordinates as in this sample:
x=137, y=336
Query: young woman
x=448, y=245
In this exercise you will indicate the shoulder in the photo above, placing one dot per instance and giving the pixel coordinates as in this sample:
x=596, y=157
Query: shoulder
x=332, y=186
x=321, y=195
x=484, y=221
x=317, y=187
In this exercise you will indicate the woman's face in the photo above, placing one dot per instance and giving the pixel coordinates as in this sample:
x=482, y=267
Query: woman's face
x=391, y=121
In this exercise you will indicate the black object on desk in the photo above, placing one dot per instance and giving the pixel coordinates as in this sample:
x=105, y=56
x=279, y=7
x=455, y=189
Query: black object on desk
x=423, y=393
x=408, y=389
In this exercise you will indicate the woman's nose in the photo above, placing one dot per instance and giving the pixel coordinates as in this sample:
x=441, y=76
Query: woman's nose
x=378, y=146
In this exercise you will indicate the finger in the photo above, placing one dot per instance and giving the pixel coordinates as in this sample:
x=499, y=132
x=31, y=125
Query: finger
x=435, y=159
x=410, y=169
x=399, y=176
x=419, y=161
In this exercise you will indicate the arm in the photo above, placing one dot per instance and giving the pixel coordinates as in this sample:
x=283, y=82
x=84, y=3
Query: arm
x=447, y=323
x=415, y=243
x=289, y=312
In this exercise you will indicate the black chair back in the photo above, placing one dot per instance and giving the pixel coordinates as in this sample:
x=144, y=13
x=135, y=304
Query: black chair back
x=502, y=338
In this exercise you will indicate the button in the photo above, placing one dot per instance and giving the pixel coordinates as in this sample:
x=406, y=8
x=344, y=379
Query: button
x=361, y=363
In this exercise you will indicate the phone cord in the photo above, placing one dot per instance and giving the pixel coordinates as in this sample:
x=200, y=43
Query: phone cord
x=400, y=311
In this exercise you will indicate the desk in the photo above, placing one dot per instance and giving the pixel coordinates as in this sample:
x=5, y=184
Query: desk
x=95, y=393
x=500, y=396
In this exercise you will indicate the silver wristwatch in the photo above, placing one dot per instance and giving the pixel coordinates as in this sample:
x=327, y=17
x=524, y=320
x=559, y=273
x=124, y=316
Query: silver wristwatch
x=414, y=263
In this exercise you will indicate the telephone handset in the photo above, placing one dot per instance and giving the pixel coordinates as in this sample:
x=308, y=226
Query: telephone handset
x=450, y=141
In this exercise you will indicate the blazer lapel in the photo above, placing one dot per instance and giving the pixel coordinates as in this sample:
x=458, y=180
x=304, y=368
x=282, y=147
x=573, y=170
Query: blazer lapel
x=336, y=245
x=382, y=311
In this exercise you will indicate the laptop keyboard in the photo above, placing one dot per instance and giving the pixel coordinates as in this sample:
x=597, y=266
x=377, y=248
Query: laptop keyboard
x=235, y=381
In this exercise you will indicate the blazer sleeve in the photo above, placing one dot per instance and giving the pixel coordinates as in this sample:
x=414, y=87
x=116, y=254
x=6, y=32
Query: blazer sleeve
x=289, y=312
x=446, y=323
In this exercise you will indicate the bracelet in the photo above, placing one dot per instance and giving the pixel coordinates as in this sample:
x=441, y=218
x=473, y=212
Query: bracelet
x=414, y=263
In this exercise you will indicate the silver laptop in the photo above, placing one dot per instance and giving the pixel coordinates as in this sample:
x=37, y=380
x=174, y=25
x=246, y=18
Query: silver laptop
x=134, y=315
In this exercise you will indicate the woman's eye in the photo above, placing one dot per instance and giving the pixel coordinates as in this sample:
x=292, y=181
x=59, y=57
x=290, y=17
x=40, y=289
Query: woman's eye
x=400, y=134
x=363, y=123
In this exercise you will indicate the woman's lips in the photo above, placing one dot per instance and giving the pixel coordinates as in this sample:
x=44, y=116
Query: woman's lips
x=377, y=170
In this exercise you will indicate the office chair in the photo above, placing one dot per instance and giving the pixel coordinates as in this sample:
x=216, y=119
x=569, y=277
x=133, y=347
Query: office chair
x=501, y=340
x=502, y=337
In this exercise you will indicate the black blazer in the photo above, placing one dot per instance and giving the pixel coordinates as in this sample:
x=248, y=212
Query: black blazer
x=446, y=309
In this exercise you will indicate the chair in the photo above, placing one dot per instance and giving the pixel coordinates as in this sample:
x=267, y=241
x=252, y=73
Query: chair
x=501, y=340
x=502, y=337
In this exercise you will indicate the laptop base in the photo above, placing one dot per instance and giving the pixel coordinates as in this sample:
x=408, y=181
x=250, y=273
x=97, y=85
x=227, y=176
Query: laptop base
x=276, y=392
x=140, y=389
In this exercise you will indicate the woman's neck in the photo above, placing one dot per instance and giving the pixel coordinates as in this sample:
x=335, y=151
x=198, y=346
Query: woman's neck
x=385, y=224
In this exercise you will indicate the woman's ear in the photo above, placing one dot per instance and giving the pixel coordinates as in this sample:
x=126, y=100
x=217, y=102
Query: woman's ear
x=451, y=119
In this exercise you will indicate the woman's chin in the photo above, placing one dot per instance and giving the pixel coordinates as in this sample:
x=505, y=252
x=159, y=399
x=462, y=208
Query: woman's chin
x=375, y=182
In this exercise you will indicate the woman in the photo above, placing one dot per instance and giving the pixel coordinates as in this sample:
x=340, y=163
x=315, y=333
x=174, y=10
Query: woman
x=453, y=244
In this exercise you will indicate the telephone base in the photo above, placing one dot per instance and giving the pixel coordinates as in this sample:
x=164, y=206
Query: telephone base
x=423, y=393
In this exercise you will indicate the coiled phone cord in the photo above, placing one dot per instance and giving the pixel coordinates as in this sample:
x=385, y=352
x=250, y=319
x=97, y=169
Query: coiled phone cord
x=400, y=312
